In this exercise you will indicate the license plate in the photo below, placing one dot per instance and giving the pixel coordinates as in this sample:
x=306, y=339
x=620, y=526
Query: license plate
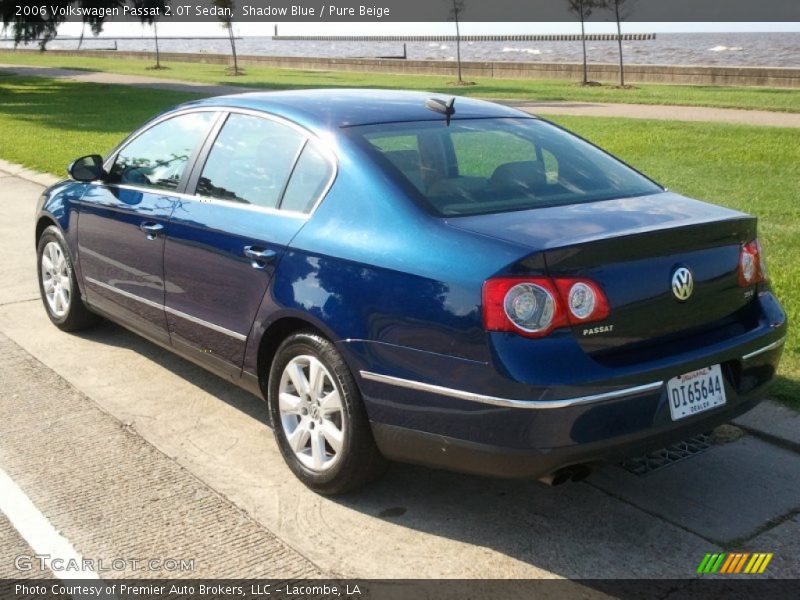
x=695, y=392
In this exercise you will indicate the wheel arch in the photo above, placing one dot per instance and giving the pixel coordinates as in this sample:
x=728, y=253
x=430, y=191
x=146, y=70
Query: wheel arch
x=43, y=222
x=272, y=338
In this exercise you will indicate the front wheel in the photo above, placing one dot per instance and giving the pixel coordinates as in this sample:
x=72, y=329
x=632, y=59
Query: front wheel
x=318, y=417
x=58, y=284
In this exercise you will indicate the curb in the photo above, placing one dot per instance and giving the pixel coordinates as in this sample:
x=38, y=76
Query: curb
x=22, y=172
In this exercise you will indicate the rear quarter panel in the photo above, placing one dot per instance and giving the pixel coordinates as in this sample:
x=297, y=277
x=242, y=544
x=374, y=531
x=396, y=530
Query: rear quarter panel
x=371, y=265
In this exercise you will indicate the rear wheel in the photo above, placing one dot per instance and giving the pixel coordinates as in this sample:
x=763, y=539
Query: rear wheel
x=318, y=417
x=58, y=284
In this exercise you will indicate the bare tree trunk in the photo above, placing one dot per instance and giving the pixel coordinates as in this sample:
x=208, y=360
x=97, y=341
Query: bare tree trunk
x=45, y=40
x=458, y=42
x=619, y=42
x=583, y=41
x=233, y=49
x=80, y=41
x=158, y=55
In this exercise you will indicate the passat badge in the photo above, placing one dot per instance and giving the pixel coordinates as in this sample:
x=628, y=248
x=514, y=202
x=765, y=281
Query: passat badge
x=682, y=284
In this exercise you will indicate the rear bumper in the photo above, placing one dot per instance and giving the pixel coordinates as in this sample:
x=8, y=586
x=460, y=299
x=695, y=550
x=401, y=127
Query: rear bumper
x=468, y=428
x=444, y=452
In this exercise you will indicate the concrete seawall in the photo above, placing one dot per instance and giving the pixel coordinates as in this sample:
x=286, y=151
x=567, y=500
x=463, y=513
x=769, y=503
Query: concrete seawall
x=568, y=37
x=693, y=75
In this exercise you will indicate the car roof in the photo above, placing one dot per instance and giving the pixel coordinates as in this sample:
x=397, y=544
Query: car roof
x=334, y=108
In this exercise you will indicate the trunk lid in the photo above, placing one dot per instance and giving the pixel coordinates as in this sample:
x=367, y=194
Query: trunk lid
x=632, y=247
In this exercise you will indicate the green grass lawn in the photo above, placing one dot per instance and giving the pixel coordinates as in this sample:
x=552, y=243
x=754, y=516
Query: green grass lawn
x=787, y=100
x=45, y=123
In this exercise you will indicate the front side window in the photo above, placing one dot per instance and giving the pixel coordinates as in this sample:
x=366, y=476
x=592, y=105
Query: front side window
x=480, y=166
x=157, y=158
x=250, y=161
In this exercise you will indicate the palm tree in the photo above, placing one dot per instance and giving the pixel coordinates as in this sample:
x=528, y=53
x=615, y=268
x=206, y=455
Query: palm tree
x=227, y=23
x=620, y=14
x=583, y=8
x=148, y=17
x=458, y=7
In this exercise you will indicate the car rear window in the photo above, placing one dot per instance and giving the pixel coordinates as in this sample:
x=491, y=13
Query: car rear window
x=479, y=166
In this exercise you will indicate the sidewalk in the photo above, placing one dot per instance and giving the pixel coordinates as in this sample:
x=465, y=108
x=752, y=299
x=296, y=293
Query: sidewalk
x=587, y=109
x=113, y=495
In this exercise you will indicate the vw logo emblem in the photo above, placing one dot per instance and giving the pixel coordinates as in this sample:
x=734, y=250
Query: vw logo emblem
x=682, y=284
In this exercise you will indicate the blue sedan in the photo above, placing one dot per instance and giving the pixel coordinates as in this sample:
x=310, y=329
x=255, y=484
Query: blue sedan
x=401, y=276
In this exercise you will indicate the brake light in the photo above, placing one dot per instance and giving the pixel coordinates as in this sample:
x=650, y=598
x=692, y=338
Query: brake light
x=535, y=306
x=584, y=299
x=752, y=266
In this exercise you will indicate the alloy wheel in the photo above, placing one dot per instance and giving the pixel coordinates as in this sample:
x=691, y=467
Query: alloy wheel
x=56, y=280
x=312, y=414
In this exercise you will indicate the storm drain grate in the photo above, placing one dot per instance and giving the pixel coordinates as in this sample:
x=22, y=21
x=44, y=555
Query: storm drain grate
x=660, y=459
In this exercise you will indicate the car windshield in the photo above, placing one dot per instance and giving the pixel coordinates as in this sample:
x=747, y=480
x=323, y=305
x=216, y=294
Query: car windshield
x=480, y=166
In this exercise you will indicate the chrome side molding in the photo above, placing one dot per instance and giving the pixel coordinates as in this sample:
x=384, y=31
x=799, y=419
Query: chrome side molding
x=172, y=311
x=508, y=402
x=767, y=348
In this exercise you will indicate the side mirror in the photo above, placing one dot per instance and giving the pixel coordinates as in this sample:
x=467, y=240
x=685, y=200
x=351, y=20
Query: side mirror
x=87, y=168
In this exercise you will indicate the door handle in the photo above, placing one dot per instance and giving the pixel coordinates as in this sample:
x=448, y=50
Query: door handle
x=259, y=256
x=151, y=229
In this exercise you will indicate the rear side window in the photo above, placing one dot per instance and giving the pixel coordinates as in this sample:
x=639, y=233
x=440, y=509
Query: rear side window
x=157, y=158
x=480, y=166
x=250, y=161
x=309, y=179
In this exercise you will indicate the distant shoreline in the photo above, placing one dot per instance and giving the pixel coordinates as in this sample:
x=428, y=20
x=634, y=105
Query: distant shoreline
x=768, y=50
x=635, y=73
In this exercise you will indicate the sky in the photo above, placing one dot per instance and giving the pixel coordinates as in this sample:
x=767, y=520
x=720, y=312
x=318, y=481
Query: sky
x=255, y=29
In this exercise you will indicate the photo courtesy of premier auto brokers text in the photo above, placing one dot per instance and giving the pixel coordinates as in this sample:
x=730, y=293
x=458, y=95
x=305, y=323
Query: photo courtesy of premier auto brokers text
x=399, y=299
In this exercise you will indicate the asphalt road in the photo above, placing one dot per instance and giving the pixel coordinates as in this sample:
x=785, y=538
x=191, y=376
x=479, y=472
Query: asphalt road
x=126, y=449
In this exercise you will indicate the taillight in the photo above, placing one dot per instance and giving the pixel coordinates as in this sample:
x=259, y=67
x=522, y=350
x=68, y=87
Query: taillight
x=584, y=299
x=535, y=306
x=752, y=266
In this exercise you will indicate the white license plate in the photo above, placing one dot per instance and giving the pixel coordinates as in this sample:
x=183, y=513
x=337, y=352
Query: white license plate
x=695, y=392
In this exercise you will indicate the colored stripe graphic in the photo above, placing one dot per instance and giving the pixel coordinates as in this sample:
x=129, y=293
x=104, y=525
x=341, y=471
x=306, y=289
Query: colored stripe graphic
x=754, y=561
x=703, y=563
x=767, y=558
x=735, y=562
x=740, y=564
x=730, y=564
x=727, y=564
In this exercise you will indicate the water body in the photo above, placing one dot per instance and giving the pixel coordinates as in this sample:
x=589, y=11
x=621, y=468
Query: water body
x=726, y=49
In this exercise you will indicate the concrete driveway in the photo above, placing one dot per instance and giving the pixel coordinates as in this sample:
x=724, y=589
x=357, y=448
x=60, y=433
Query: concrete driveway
x=125, y=448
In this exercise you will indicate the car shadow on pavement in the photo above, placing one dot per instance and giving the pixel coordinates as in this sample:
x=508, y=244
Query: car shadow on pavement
x=110, y=334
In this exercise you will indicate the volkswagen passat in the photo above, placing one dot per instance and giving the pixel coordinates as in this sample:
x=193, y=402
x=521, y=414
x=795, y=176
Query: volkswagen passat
x=446, y=282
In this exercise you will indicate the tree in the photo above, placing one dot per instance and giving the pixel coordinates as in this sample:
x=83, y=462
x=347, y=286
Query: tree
x=41, y=27
x=150, y=11
x=44, y=27
x=226, y=17
x=621, y=12
x=583, y=8
x=458, y=8
x=96, y=22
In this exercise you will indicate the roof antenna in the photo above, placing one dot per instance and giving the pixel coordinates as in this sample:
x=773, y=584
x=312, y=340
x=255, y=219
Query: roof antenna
x=440, y=106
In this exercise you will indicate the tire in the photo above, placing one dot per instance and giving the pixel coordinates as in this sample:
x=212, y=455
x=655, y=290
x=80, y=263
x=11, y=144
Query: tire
x=58, y=284
x=305, y=423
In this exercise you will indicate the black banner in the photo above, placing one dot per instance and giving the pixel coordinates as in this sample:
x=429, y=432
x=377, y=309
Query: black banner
x=733, y=588
x=322, y=11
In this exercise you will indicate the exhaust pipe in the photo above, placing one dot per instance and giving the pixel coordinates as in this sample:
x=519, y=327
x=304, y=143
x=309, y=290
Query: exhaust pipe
x=571, y=473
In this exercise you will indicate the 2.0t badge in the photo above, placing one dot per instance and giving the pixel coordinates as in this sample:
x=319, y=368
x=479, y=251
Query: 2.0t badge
x=682, y=284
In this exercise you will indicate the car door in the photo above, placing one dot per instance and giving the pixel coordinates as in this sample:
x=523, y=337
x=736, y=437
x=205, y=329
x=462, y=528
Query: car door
x=123, y=221
x=223, y=246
